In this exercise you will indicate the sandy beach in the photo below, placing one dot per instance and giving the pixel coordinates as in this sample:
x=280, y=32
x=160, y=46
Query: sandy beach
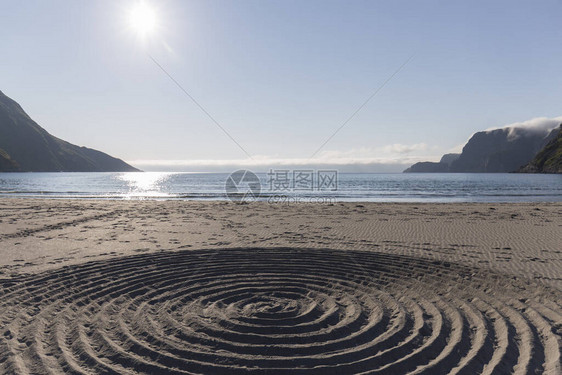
x=280, y=187
x=188, y=287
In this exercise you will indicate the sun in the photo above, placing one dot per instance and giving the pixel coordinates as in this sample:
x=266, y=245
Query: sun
x=142, y=19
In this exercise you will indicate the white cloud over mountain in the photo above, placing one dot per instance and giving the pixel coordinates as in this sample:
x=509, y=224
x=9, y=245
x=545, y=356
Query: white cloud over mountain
x=535, y=125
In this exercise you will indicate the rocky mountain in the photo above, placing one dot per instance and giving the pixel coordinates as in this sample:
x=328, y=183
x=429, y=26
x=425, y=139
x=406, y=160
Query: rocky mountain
x=492, y=151
x=25, y=146
x=6, y=163
x=431, y=167
x=500, y=150
x=549, y=159
x=449, y=158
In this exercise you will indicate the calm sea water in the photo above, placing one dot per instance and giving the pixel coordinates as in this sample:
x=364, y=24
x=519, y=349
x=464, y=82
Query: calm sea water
x=350, y=187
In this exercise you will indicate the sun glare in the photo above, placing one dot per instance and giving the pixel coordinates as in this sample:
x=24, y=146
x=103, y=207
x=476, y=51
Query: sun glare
x=142, y=19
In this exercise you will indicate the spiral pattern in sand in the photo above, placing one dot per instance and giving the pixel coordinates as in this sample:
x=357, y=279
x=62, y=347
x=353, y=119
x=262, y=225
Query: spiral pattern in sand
x=277, y=311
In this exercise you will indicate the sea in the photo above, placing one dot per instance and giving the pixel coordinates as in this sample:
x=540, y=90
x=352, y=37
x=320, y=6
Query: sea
x=287, y=187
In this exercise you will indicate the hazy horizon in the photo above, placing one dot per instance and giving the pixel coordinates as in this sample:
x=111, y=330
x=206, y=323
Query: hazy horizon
x=282, y=77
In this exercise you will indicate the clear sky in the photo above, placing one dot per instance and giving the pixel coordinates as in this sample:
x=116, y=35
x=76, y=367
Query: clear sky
x=281, y=76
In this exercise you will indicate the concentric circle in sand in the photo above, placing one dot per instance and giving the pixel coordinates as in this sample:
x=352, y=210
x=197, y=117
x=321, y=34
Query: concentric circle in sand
x=277, y=311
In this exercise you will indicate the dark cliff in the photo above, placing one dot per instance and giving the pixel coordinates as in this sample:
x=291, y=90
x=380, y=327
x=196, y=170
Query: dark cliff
x=492, y=151
x=25, y=146
x=549, y=159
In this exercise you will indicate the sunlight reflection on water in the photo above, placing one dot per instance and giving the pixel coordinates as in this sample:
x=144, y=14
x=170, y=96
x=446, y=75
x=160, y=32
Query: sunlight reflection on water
x=145, y=184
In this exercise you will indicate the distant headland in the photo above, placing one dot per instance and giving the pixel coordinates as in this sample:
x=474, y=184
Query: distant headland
x=510, y=149
x=27, y=147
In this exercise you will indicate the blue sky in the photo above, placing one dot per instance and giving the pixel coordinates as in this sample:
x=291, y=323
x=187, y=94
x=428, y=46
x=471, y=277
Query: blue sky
x=281, y=76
